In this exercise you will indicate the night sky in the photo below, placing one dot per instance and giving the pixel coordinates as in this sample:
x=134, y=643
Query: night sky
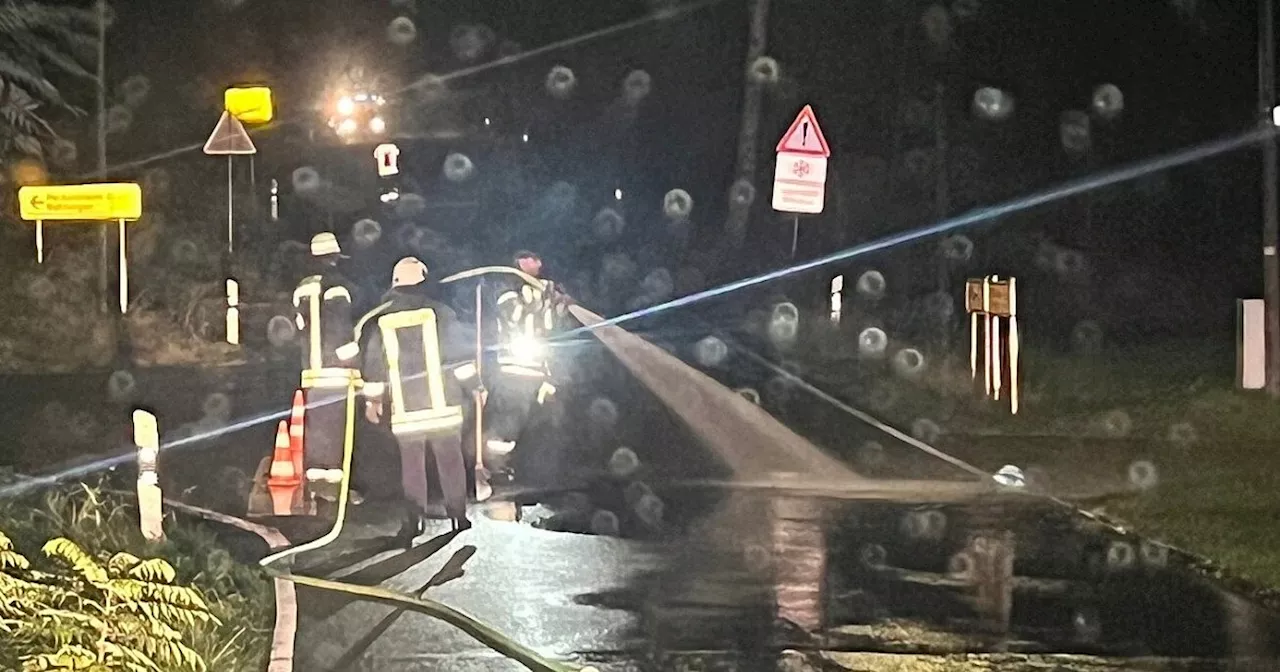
x=1181, y=242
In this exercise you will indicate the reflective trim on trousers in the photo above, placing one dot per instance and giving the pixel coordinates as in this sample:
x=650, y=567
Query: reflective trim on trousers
x=523, y=371
x=329, y=378
x=430, y=421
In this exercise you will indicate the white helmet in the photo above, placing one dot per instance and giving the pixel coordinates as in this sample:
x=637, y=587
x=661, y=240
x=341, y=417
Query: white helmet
x=325, y=244
x=408, y=272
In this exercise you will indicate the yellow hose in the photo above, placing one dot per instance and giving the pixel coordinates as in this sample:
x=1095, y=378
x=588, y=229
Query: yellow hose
x=483, y=633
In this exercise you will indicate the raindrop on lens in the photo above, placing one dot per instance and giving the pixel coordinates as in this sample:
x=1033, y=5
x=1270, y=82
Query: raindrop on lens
x=306, y=180
x=280, y=331
x=608, y=224
x=926, y=430
x=401, y=31
x=764, y=70
x=409, y=206
x=1069, y=262
x=965, y=9
x=1182, y=434
x=217, y=406
x=41, y=288
x=603, y=412
x=1107, y=102
x=957, y=248
x=750, y=394
x=1142, y=474
x=873, y=556
x=872, y=342
x=651, y=509
x=711, y=351
x=871, y=454
x=119, y=119
x=1074, y=132
x=742, y=194
x=940, y=306
x=908, y=363
x=960, y=566
x=871, y=285
x=185, y=252
x=468, y=43
x=992, y=104
x=1117, y=424
x=636, y=86
x=937, y=25
x=121, y=387
x=1010, y=476
x=458, y=168
x=677, y=204
x=366, y=233
x=561, y=82
x=64, y=152
x=658, y=284
x=1120, y=555
x=624, y=463
x=156, y=181
x=134, y=90
x=1153, y=554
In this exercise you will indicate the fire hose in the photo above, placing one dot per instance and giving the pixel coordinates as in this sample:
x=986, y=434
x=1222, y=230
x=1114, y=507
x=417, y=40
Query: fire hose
x=482, y=632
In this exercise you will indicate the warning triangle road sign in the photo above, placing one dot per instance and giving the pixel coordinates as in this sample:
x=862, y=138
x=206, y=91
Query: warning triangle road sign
x=805, y=136
x=229, y=137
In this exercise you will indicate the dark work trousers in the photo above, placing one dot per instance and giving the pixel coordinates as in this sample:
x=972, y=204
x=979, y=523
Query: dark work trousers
x=447, y=451
x=325, y=428
x=510, y=409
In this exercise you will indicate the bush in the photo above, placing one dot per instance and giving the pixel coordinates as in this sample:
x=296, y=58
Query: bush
x=123, y=614
x=239, y=596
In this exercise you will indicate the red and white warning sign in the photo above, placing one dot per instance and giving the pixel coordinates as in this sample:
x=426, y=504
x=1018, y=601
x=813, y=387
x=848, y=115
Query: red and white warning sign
x=800, y=178
x=388, y=156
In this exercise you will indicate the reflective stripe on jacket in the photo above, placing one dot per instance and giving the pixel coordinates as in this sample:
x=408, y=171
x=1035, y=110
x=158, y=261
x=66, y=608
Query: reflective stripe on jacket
x=404, y=361
x=323, y=315
x=526, y=318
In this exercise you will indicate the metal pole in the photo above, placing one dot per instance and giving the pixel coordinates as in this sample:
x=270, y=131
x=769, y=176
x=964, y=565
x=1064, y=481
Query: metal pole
x=124, y=273
x=101, y=7
x=230, y=208
x=795, y=234
x=1270, y=177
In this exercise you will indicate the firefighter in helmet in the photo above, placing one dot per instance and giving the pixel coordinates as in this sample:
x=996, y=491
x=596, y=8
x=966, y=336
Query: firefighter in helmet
x=526, y=317
x=323, y=305
x=406, y=364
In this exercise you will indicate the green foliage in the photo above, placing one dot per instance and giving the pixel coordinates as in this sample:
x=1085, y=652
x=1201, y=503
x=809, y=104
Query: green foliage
x=239, y=597
x=96, y=614
x=37, y=40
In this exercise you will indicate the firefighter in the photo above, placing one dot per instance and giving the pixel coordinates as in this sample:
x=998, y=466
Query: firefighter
x=526, y=317
x=405, y=363
x=324, y=316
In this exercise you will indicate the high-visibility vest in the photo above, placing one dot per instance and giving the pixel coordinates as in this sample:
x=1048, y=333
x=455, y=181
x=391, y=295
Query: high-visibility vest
x=419, y=403
x=527, y=318
x=323, y=316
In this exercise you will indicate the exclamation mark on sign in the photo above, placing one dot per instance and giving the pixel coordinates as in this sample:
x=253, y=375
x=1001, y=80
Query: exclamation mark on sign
x=804, y=134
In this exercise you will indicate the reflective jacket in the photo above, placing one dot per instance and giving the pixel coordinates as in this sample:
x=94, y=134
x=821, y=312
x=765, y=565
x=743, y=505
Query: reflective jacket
x=323, y=305
x=408, y=360
x=526, y=318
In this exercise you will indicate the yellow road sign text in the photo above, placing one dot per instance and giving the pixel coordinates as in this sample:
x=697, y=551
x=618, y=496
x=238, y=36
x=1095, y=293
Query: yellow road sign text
x=85, y=202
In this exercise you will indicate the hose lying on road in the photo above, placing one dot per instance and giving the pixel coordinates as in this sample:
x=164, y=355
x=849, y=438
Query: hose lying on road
x=480, y=631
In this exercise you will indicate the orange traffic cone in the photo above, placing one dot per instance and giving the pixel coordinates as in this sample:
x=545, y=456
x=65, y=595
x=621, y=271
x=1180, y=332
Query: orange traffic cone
x=297, y=417
x=283, y=479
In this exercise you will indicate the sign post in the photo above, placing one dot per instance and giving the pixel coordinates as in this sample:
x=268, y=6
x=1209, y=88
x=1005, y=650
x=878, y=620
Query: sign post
x=229, y=139
x=800, y=177
x=118, y=202
x=988, y=300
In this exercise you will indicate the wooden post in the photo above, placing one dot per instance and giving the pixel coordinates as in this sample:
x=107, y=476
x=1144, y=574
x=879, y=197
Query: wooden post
x=992, y=552
x=146, y=435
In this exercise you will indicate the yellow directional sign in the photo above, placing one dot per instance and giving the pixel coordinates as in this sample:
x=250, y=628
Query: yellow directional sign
x=86, y=202
x=250, y=104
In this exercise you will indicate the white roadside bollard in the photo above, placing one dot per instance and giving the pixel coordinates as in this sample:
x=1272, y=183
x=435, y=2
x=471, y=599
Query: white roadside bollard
x=233, y=312
x=146, y=435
